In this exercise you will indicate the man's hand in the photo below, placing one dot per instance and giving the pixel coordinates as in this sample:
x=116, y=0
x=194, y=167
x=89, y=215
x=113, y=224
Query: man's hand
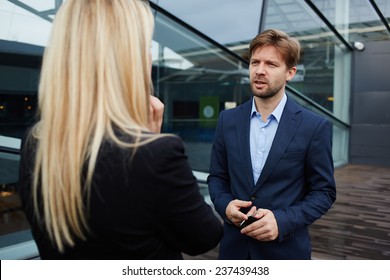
x=233, y=212
x=265, y=229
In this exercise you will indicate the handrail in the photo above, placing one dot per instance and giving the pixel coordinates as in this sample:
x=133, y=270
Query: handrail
x=9, y=150
x=323, y=110
x=10, y=145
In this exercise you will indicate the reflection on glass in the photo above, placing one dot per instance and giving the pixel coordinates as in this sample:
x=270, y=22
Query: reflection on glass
x=356, y=20
x=196, y=80
x=14, y=227
x=316, y=73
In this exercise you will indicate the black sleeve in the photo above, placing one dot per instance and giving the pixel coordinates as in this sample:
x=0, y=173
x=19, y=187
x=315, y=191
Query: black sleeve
x=187, y=221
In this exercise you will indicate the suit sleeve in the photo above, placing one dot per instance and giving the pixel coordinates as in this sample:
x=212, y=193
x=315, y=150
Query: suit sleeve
x=188, y=222
x=320, y=184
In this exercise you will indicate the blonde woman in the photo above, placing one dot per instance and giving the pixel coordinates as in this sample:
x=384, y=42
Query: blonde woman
x=97, y=180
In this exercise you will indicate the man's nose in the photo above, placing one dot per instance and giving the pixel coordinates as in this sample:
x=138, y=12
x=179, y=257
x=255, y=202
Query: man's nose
x=260, y=69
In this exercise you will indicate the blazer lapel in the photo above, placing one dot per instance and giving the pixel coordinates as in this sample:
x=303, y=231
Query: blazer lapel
x=243, y=125
x=288, y=125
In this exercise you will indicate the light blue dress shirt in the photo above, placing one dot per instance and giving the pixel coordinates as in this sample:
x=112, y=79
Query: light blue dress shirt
x=261, y=136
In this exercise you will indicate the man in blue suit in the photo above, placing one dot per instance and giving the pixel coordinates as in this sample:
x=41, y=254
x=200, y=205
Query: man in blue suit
x=272, y=160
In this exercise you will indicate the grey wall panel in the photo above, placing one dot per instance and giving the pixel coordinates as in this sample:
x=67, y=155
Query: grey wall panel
x=370, y=135
x=370, y=106
x=371, y=69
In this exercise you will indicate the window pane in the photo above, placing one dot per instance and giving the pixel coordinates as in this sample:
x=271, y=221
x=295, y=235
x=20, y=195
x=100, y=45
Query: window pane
x=196, y=80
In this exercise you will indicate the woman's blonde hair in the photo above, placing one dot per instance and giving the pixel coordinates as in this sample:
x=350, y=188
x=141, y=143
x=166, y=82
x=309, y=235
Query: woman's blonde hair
x=95, y=79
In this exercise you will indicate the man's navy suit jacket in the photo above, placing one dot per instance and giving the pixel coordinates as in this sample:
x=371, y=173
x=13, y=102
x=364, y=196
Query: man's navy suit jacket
x=296, y=184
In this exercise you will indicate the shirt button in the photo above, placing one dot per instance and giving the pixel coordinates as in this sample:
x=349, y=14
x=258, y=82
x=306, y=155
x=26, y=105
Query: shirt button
x=253, y=197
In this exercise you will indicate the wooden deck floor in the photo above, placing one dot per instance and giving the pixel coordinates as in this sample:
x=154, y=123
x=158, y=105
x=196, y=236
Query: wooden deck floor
x=358, y=225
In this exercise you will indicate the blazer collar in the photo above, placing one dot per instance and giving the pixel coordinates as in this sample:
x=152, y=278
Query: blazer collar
x=242, y=124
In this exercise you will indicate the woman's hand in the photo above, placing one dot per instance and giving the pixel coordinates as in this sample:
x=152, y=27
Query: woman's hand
x=155, y=114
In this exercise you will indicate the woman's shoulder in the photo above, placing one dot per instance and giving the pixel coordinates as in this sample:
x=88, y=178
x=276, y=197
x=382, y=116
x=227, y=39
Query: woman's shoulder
x=166, y=142
x=148, y=140
x=167, y=138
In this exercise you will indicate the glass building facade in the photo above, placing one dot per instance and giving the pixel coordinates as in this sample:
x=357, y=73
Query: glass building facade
x=200, y=67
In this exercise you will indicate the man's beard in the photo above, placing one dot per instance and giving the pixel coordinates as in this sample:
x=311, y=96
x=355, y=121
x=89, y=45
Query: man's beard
x=267, y=93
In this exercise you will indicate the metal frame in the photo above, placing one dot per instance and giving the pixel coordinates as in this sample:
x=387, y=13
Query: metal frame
x=381, y=16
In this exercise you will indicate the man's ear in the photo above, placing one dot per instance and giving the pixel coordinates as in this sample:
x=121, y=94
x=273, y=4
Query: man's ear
x=291, y=73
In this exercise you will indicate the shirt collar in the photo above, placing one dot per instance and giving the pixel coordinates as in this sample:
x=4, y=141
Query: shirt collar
x=277, y=113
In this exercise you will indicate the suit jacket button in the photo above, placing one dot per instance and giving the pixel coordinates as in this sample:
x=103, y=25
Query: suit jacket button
x=253, y=198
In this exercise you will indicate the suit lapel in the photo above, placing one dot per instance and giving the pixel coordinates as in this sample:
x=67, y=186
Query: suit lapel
x=288, y=125
x=243, y=125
